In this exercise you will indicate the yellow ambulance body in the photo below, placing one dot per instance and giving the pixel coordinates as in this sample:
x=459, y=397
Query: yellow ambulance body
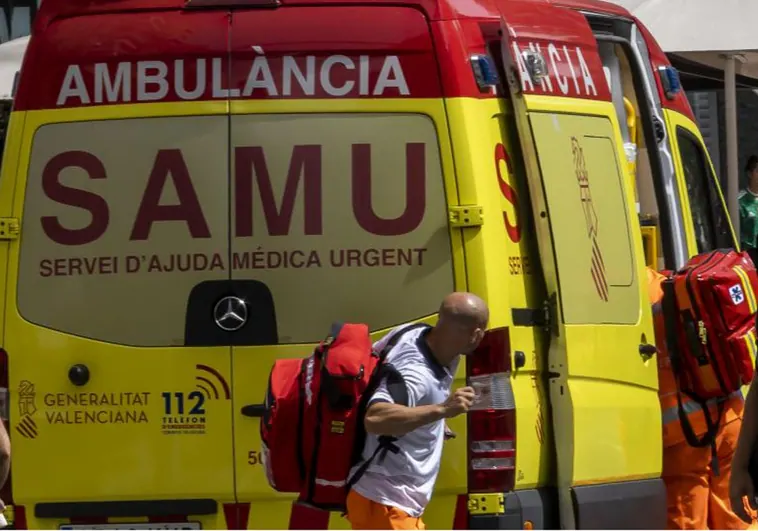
x=193, y=189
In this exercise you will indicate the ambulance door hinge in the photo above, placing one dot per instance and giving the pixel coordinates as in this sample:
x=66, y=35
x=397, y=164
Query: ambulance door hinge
x=531, y=317
x=466, y=216
x=542, y=317
x=9, y=229
x=491, y=503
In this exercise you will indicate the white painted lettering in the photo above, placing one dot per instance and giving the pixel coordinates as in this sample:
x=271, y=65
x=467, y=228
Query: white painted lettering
x=146, y=79
x=73, y=86
x=571, y=68
x=218, y=81
x=546, y=83
x=306, y=81
x=325, y=76
x=363, y=69
x=302, y=76
x=260, y=77
x=555, y=59
x=113, y=89
x=181, y=89
x=526, y=79
x=589, y=83
x=390, y=76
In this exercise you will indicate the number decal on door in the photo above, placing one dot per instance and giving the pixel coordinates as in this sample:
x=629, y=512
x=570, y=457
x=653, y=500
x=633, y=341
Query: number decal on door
x=174, y=403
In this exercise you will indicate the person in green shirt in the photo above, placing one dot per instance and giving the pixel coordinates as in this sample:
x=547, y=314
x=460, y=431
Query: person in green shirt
x=748, y=201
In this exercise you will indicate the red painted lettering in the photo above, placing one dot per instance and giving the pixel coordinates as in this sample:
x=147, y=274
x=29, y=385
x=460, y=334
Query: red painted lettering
x=169, y=162
x=508, y=193
x=376, y=257
x=303, y=179
x=57, y=191
x=305, y=162
x=77, y=266
x=415, y=192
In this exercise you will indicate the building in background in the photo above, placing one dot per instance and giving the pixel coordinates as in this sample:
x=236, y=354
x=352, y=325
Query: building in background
x=708, y=107
x=16, y=18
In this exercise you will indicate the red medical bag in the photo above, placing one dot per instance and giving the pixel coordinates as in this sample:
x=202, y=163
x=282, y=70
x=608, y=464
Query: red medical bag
x=712, y=323
x=312, y=429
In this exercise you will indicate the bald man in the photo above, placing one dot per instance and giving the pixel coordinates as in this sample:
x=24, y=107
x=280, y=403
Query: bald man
x=393, y=492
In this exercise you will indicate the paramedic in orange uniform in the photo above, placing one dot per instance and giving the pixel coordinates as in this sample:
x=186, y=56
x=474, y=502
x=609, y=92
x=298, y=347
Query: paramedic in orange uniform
x=696, y=498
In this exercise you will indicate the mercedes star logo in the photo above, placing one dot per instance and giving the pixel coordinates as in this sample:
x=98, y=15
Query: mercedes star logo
x=230, y=313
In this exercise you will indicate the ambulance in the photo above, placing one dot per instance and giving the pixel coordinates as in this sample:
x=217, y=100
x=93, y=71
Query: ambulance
x=192, y=189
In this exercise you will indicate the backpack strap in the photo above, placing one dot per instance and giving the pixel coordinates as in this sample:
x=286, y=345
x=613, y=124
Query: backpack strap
x=709, y=438
x=396, y=337
x=399, y=393
x=395, y=382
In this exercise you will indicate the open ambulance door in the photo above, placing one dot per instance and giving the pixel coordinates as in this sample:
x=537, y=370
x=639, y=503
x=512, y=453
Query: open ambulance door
x=601, y=362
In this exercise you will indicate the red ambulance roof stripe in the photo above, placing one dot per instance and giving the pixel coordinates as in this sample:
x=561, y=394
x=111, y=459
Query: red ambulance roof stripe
x=76, y=60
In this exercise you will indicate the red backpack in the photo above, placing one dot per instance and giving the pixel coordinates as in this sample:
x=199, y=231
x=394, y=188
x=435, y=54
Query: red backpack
x=312, y=430
x=710, y=310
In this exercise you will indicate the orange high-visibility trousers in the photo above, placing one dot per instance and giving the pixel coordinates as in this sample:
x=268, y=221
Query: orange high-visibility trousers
x=696, y=498
x=368, y=514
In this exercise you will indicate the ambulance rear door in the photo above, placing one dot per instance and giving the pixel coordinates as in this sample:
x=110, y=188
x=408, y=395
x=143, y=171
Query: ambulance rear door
x=119, y=380
x=602, y=369
x=342, y=175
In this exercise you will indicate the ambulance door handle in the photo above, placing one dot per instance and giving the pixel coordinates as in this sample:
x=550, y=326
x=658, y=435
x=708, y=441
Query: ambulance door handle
x=253, y=410
x=647, y=351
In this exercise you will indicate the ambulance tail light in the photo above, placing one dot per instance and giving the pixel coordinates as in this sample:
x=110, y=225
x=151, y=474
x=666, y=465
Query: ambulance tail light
x=492, y=419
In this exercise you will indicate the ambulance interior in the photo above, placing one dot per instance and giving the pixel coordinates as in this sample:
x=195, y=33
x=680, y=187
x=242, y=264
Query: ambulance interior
x=620, y=76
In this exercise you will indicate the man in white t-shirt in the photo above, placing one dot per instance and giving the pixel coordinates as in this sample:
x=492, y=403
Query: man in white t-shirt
x=394, y=490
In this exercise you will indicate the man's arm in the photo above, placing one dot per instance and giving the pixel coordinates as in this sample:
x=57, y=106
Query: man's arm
x=385, y=418
x=392, y=410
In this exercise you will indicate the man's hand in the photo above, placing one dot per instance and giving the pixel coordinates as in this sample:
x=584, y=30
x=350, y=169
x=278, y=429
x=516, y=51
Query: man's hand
x=459, y=402
x=741, y=487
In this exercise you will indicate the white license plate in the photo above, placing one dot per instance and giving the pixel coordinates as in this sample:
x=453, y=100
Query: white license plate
x=141, y=525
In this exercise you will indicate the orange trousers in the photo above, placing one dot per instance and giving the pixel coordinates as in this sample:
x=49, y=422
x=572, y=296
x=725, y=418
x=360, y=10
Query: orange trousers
x=367, y=514
x=696, y=498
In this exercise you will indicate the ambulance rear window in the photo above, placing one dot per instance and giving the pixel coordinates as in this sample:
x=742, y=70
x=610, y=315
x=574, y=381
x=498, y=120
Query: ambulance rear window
x=339, y=216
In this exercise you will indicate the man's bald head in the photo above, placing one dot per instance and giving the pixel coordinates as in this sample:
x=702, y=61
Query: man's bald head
x=460, y=328
x=465, y=309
